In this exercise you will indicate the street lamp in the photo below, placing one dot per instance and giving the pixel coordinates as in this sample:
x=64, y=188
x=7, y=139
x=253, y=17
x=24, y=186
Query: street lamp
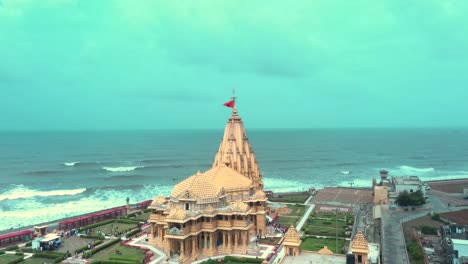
x=336, y=230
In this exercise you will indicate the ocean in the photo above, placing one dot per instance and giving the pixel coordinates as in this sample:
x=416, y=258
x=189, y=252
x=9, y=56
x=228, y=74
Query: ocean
x=46, y=176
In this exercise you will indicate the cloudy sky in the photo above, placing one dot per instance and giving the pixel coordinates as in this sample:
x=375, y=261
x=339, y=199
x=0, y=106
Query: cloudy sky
x=135, y=64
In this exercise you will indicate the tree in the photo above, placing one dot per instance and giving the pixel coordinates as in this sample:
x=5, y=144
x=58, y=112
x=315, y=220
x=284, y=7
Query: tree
x=405, y=198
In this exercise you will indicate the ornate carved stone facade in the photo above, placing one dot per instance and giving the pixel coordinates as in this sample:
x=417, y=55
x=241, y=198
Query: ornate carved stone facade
x=360, y=248
x=292, y=242
x=214, y=212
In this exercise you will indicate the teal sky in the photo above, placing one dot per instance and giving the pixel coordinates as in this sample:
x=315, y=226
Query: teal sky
x=131, y=64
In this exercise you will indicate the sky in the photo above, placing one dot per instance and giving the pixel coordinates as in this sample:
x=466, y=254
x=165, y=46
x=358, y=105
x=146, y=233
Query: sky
x=104, y=65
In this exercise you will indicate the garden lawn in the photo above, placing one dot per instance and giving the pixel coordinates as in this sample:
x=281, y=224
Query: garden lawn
x=297, y=209
x=315, y=244
x=291, y=199
x=270, y=240
x=286, y=221
x=113, y=228
x=126, y=252
x=5, y=258
x=326, y=223
x=143, y=217
x=37, y=261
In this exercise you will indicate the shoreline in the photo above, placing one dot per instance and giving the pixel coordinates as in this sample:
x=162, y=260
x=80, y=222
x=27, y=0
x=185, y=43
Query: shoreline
x=53, y=224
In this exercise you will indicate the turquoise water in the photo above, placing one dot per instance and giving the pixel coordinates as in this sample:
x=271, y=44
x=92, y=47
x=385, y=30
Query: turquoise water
x=51, y=175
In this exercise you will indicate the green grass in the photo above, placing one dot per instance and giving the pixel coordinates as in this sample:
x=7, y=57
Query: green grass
x=287, y=221
x=270, y=240
x=144, y=216
x=329, y=224
x=415, y=252
x=37, y=261
x=291, y=199
x=297, y=209
x=5, y=258
x=127, y=252
x=315, y=244
x=108, y=229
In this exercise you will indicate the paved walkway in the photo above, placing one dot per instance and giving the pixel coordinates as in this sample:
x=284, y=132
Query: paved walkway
x=305, y=216
x=393, y=240
x=308, y=200
x=137, y=242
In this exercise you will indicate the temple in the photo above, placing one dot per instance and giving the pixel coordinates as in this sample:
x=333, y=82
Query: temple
x=216, y=211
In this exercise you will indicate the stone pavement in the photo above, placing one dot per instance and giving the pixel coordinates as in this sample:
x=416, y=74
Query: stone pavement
x=304, y=217
x=393, y=241
x=160, y=256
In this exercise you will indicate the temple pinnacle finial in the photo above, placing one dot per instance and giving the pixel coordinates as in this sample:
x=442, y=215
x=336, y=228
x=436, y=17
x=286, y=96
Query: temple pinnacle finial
x=234, y=97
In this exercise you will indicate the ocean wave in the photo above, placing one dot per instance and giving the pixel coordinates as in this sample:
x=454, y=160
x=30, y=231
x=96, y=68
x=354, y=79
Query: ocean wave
x=30, y=212
x=43, y=172
x=355, y=183
x=122, y=169
x=80, y=164
x=410, y=169
x=21, y=192
x=345, y=172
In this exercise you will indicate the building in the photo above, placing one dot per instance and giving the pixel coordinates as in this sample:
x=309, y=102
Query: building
x=460, y=246
x=217, y=211
x=364, y=252
x=380, y=195
x=292, y=242
x=408, y=183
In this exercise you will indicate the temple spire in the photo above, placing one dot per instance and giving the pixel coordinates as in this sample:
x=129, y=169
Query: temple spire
x=235, y=150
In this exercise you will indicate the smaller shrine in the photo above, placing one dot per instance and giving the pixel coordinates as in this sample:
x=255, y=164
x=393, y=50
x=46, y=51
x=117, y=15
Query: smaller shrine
x=292, y=242
x=360, y=248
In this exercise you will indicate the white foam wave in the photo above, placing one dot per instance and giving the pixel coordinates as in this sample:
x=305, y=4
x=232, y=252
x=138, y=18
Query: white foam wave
x=409, y=169
x=20, y=191
x=30, y=212
x=121, y=169
x=345, y=172
x=355, y=183
x=288, y=185
x=70, y=164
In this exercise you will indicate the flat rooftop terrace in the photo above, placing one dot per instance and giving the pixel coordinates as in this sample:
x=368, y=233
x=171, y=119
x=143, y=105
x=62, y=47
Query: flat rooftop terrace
x=344, y=195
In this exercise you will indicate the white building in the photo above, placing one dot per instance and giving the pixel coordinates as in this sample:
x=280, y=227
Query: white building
x=408, y=183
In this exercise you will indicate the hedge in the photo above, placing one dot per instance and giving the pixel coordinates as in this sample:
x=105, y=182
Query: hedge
x=27, y=250
x=243, y=260
x=18, y=260
x=56, y=257
x=11, y=248
x=131, y=233
x=28, y=244
x=95, y=225
x=127, y=221
x=2, y=252
x=146, y=211
x=19, y=254
x=98, y=237
x=85, y=247
x=97, y=249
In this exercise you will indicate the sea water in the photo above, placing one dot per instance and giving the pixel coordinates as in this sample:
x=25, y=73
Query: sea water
x=46, y=176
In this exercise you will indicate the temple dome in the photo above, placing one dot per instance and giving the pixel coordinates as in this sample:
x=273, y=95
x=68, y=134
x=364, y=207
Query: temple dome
x=235, y=151
x=158, y=200
x=228, y=178
x=198, y=186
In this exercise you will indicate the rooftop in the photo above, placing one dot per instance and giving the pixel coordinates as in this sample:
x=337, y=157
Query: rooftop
x=407, y=180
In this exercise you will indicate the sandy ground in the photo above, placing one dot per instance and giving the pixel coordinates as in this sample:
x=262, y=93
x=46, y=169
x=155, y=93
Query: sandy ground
x=449, y=186
x=459, y=217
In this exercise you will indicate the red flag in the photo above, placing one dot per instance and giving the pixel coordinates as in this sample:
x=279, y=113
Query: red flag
x=229, y=104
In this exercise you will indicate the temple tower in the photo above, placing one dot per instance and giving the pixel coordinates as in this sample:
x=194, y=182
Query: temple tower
x=235, y=151
x=360, y=248
x=292, y=242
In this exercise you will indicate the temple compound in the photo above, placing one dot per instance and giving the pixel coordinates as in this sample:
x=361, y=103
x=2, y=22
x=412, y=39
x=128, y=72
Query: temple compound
x=216, y=211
